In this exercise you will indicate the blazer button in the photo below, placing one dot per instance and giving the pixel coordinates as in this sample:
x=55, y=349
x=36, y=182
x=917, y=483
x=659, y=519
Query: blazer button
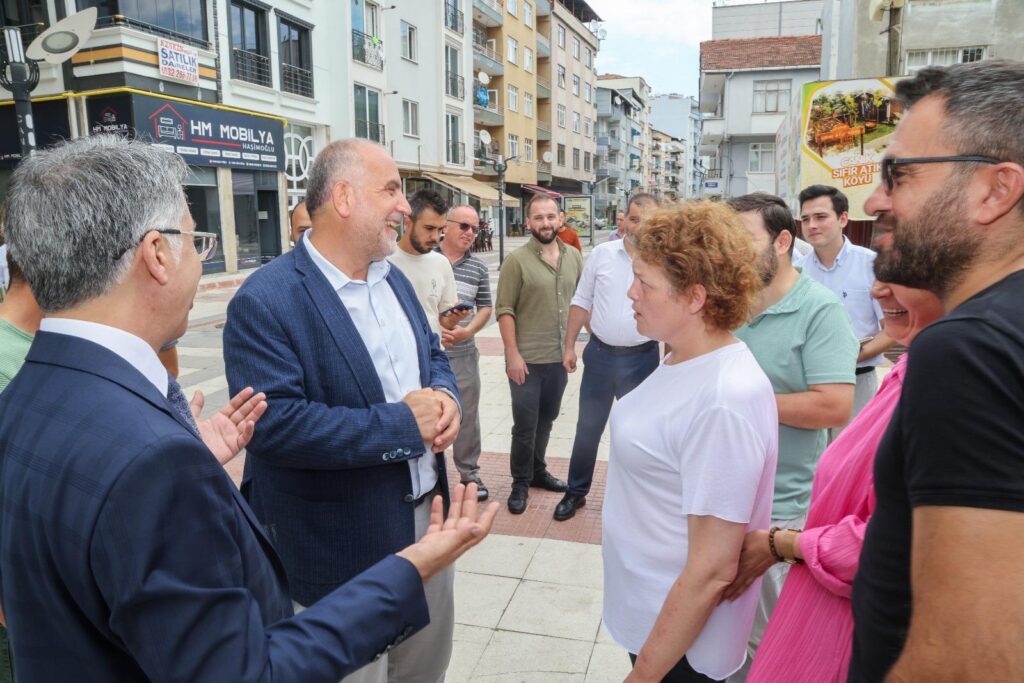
x=386, y=456
x=408, y=498
x=406, y=451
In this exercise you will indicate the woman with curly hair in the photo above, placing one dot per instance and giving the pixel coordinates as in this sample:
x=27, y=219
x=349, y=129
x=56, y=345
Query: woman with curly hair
x=693, y=453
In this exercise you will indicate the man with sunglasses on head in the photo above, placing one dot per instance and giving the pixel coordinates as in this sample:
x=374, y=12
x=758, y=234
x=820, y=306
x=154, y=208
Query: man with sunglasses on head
x=474, y=286
x=429, y=273
x=938, y=594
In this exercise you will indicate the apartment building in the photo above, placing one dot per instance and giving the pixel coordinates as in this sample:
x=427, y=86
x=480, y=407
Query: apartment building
x=668, y=167
x=679, y=116
x=617, y=168
x=639, y=173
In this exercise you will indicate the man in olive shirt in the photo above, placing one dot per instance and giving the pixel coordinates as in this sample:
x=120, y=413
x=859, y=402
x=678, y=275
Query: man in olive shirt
x=535, y=289
x=19, y=321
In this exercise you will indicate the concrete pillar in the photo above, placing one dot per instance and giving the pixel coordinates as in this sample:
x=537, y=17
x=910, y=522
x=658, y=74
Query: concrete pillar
x=229, y=239
x=286, y=228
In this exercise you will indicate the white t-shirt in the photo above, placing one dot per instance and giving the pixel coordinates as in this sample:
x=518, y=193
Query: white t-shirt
x=433, y=280
x=695, y=438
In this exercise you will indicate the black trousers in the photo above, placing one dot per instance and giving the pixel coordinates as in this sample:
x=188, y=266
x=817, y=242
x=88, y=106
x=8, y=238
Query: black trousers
x=535, y=405
x=681, y=673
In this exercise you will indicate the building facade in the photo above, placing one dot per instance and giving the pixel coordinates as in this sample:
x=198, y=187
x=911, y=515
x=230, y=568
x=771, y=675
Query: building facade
x=679, y=117
x=668, y=167
x=639, y=173
x=618, y=113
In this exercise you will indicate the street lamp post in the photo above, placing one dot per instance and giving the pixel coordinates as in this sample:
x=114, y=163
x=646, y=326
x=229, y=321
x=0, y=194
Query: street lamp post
x=500, y=164
x=20, y=77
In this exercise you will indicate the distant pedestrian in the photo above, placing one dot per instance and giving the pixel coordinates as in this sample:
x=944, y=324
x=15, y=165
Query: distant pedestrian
x=568, y=234
x=299, y=221
x=620, y=231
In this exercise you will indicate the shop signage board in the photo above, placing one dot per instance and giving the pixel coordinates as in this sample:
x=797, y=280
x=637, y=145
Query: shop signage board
x=178, y=62
x=579, y=214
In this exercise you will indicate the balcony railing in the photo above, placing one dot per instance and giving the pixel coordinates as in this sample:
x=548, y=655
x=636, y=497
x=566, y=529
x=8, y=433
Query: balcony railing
x=370, y=130
x=544, y=127
x=456, y=152
x=455, y=85
x=482, y=48
x=250, y=67
x=544, y=167
x=545, y=84
x=296, y=80
x=453, y=19
x=491, y=104
x=368, y=49
x=713, y=174
x=121, y=20
x=495, y=5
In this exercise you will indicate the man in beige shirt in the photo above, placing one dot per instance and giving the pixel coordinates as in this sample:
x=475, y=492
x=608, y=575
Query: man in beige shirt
x=535, y=289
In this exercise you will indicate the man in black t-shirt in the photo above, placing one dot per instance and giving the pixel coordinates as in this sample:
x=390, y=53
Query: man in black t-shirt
x=940, y=591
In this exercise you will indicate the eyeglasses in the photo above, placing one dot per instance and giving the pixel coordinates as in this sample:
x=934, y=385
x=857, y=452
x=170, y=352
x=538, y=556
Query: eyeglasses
x=205, y=242
x=889, y=165
x=466, y=227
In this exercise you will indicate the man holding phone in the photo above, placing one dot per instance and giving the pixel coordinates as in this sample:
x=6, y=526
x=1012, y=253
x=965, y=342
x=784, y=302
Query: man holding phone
x=430, y=274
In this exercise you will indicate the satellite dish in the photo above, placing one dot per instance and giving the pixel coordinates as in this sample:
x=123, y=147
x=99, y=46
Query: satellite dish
x=616, y=101
x=483, y=78
x=61, y=41
x=485, y=137
x=547, y=157
x=601, y=34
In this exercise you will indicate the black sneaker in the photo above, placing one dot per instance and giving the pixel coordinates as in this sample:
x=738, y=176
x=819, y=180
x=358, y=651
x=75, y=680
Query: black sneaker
x=517, y=500
x=568, y=506
x=547, y=481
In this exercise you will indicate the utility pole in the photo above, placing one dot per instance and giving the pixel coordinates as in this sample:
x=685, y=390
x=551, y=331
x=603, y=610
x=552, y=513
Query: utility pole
x=20, y=77
x=892, y=64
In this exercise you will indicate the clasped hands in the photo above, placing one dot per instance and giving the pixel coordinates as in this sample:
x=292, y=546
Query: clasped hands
x=437, y=416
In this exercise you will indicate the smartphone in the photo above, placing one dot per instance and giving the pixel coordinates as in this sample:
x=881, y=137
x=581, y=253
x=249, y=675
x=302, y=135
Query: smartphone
x=457, y=308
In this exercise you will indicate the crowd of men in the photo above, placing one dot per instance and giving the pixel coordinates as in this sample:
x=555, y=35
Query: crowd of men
x=353, y=367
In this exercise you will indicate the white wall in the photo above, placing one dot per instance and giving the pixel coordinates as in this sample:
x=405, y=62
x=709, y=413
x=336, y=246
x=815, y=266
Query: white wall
x=793, y=18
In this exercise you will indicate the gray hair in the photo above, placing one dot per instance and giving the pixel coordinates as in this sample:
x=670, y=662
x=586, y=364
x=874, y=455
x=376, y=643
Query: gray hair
x=73, y=208
x=983, y=102
x=341, y=160
x=461, y=206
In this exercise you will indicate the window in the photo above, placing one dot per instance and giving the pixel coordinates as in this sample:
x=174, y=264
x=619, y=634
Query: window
x=456, y=153
x=575, y=85
x=576, y=158
x=575, y=122
x=587, y=126
x=771, y=96
x=528, y=149
x=367, y=113
x=250, y=52
x=528, y=14
x=576, y=47
x=513, y=51
x=513, y=98
x=21, y=12
x=588, y=57
x=561, y=77
x=586, y=161
x=560, y=35
x=588, y=92
x=916, y=59
x=561, y=116
x=513, y=145
x=296, y=57
x=560, y=155
x=185, y=17
x=454, y=84
x=513, y=7
x=527, y=58
x=408, y=41
x=762, y=157
x=528, y=104
x=366, y=17
x=411, y=118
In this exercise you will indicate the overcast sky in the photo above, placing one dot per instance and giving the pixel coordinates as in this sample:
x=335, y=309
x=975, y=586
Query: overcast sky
x=656, y=39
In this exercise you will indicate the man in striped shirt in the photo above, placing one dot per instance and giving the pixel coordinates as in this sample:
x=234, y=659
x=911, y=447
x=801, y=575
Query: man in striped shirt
x=474, y=287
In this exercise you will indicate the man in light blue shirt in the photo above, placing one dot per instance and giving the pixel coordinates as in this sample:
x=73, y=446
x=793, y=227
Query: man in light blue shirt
x=847, y=270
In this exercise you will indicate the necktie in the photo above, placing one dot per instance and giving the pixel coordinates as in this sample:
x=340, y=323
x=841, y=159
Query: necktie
x=176, y=397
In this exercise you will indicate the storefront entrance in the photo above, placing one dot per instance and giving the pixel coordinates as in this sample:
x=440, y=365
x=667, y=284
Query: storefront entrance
x=256, y=217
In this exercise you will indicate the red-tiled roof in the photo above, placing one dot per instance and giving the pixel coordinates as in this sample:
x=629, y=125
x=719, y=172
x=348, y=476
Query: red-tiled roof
x=753, y=53
x=608, y=77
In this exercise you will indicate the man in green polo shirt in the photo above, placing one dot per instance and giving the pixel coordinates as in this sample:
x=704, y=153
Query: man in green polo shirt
x=535, y=289
x=801, y=336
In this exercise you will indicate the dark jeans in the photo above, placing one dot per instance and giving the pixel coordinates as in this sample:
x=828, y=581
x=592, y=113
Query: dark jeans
x=535, y=405
x=608, y=373
x=681, y=673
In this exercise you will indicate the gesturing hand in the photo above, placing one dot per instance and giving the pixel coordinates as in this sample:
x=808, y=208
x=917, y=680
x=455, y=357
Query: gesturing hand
x=229, y=430
x=755, y=559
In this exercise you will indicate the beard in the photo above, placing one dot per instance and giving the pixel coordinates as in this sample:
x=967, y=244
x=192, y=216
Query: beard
x=932, y=250
x=768, y=265
x=420, y=246
x=380, y=240
x=542, y=238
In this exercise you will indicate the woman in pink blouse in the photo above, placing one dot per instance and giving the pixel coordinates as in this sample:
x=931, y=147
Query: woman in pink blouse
x=810, y=632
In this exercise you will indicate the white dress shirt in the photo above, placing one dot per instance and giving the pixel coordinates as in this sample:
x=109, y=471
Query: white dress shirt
x=850, y=278
x=602, y=290
x=387, y=334
x=132, y=349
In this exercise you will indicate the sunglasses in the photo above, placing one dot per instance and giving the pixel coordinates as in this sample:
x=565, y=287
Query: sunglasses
x=889, y=165
x=466, y=227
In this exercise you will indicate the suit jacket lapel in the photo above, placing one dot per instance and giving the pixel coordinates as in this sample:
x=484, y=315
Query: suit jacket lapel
x=339, y=324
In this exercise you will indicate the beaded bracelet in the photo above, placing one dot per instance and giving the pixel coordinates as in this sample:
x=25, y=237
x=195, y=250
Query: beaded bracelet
x=771, y=544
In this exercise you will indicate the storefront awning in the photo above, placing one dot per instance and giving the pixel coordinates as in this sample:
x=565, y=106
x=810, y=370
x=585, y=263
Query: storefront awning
x=537, y=189
x=473, y=187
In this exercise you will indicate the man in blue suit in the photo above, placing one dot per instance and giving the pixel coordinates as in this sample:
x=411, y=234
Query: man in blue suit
x=126, y=553
x=361, y=400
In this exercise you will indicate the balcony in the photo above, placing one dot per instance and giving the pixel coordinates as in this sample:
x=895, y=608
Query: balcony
x=121, y=20
x=486, y=106
x=486, y=59
x=490, y=13
x=609, y=141
x=368, y=49
x=250, y=67
x=456, y=153
x=370, y=130
x=543, y=88
x=455, y=86
x=296, y=80
x=454, y=19
x=480, y=164
x=543, y=47
x=543, y=8
x=607, y=171
x=543, y=170
x=543, y=131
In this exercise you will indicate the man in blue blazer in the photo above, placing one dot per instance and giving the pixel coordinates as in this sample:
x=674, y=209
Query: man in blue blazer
x=126, y=553
x=361, y=400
